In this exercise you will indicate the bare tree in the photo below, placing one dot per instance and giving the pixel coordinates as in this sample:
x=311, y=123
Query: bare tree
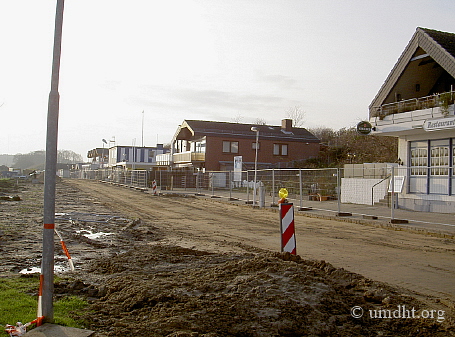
x=237, y=119
x=260, y=121
x=297, y=114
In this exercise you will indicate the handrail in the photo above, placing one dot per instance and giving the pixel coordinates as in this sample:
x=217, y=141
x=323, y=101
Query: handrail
x=372, y=188
x=410, y=105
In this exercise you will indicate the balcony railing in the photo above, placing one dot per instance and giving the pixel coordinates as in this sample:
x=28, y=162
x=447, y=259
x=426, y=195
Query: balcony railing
x=188, y=157
x=440, y=100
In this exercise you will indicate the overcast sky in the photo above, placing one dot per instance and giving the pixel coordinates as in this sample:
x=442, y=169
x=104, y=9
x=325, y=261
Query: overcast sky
x=217, y=60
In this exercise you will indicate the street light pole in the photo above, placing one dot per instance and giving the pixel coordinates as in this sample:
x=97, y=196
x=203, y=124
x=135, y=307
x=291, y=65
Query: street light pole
x=102, y=155
x=255, y=129
x=46, y=308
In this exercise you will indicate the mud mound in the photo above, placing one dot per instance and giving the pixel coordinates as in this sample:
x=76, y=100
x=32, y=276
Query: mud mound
x=175, y=291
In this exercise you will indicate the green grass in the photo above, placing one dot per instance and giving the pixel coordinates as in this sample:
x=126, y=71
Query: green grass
x=7, y=185
x=19, y=301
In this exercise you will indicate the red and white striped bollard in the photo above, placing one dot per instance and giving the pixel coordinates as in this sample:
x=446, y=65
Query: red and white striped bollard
x=288, y=242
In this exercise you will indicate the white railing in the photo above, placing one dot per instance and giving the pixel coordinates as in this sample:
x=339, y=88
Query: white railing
x=413, y=104
x=188, y=157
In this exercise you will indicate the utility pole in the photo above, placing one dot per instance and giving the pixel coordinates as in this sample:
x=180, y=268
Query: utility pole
x=46, y=309
x=142, y=128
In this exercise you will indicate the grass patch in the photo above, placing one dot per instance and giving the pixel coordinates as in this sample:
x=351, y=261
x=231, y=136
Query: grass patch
x=7, y=185
x=19, y=301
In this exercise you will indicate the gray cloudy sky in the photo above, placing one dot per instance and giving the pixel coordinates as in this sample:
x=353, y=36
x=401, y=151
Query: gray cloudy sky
x=219, y=60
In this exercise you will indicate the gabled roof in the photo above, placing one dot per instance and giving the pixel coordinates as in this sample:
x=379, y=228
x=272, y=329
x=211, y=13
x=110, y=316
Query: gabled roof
x=193, y=129
x=439, y=46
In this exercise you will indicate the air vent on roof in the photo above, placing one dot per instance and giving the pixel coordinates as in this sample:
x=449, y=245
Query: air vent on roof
x=287, y=132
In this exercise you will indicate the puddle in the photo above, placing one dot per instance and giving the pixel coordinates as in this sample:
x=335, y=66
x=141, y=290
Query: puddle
x=89, y=217
x=91, y=235
x=37, y=270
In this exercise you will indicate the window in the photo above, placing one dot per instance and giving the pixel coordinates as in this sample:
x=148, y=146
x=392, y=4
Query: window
x=199, y=146
x=419, y=158
x=253, y=145
x=439, y=161
x=230, y=147
x=280, y=149
x=432, y=163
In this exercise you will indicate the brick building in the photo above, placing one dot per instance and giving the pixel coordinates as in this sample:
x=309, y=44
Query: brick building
x=212, y=146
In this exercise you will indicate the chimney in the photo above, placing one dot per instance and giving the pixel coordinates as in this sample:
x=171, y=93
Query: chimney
x=286, y=125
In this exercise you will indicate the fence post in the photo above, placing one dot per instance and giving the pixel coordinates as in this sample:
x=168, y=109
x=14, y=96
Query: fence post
x=300, y=187
x=247, y=188
x=261, y=195
x=230, y=185
x=392, y=204
x=213, y=183
x=339, y=195
x=273, y=187
x=339, y=189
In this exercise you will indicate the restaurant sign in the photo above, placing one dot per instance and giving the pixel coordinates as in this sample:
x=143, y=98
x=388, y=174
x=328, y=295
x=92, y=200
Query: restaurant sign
x=439, y=124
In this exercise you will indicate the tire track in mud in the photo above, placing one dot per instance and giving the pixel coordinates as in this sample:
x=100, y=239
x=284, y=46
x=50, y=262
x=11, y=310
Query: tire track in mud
x=183, y=216
x=395, y=257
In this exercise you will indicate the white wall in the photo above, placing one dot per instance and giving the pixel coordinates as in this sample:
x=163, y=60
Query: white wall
x=359, y=190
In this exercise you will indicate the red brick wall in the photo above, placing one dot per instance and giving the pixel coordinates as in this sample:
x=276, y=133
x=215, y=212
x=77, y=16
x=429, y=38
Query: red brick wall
x=214, y=151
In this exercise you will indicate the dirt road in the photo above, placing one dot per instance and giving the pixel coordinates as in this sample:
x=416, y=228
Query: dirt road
x=417, y=262
x=186, y=266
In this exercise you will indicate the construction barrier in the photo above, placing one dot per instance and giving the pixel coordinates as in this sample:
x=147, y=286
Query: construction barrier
x=20, y=329
x=154, y=187
x=65, y=250
x=288, y=243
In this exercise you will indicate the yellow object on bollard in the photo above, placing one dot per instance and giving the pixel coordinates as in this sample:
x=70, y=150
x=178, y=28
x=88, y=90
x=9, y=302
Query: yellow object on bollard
x=283, y=194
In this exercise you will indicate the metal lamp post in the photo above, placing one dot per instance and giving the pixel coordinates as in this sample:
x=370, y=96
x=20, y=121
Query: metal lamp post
x=102, y=154
x=255, y=129
x=46, y=308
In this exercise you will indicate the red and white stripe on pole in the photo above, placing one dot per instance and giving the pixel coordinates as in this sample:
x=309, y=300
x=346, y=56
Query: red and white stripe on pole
x=288, y=243
x=154, y=187
x=40, y=317
x=65, y=250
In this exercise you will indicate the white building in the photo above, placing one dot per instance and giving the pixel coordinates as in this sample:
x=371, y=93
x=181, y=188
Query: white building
x=415, y=104
x=135, y=157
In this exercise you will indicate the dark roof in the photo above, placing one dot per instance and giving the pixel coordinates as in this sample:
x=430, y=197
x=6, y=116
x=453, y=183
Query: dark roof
x=444, y=39
x=201, y=128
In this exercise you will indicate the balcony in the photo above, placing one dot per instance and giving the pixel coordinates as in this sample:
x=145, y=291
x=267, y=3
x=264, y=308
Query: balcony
x=441, y=101
x=188, y=157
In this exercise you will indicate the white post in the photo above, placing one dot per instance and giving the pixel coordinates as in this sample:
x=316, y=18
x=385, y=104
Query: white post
x=255, y=129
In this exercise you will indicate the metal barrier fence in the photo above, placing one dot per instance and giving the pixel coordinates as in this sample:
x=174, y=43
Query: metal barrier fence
x=360, y=185
x=313, y=184
x=136, y=178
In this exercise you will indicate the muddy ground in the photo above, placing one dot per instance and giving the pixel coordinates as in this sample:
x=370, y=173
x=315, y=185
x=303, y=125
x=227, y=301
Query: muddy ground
x=182, y=266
